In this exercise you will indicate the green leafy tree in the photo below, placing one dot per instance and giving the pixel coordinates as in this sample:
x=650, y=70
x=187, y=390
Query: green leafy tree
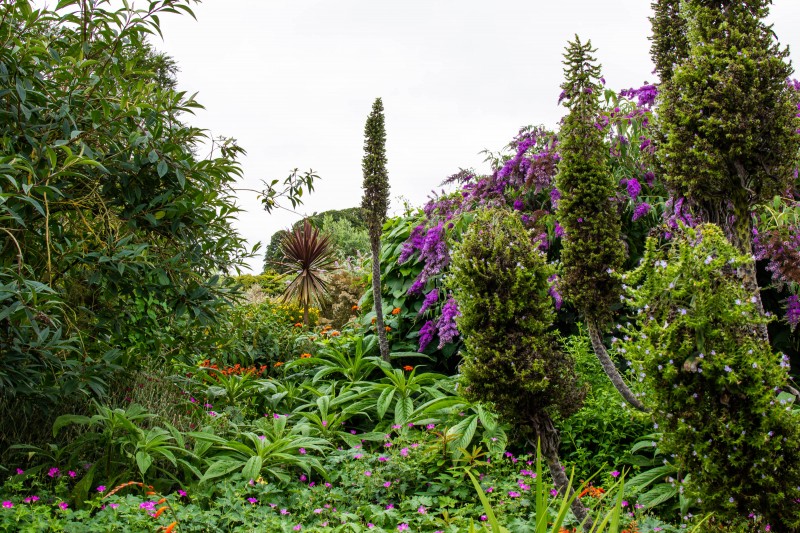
x=375, y=204
x=592, y=250
x=728, y=118
x=716, y=382
x=511, y=357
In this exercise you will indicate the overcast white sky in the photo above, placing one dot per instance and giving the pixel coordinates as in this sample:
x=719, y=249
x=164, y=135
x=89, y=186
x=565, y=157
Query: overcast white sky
x=294, y=81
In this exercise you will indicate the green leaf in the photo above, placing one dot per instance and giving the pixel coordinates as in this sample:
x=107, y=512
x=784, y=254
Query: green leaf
x=252, y=468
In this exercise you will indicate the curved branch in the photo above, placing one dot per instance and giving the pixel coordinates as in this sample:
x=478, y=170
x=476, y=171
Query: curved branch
x=610, y=369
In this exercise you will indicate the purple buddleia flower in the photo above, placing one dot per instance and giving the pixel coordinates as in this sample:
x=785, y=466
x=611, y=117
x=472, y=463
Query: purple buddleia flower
x=426, y=334
x=646, y=95
x=414, y=243
x=447, y=322
x=641, y=210
x=518, y=205
x=430, y=299
x=558, y=231
x=634, y=188
x=649, y=178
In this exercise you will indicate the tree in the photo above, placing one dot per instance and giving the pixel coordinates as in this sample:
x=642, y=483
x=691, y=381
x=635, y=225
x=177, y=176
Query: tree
x=592, y=251
x=511, y=357
x=309, y=255
x=375, y=204
x=727, y=118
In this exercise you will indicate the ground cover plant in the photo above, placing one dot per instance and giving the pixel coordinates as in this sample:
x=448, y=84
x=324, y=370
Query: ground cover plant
x=576, y=341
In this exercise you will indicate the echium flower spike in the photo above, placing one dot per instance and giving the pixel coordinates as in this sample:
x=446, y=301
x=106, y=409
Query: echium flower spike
x=375, y=204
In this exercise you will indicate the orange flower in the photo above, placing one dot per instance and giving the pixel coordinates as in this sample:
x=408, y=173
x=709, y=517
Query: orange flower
x=374, y=319
x=355, y=308
x=160, y=511
x=170, y=527
x=408, y=368
x=162, y=500
x=388, y=328
x=279, y=363
x=335, y=334
x=298, y=325
x=396, y=311
x=305, y=356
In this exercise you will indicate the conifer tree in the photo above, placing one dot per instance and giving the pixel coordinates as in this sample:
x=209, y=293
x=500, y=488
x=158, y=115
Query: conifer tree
x=592, y=246
x=727, y=118
x=375, y=204
x=511, y=357
x=669, y=47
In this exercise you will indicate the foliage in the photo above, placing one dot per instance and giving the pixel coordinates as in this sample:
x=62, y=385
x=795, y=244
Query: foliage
x=347, y=239
x=293, y=187
x=728, y=116
x=269, y=282
x=716, y=383
x=99, y=271
x=309, y=255
x=591, y=248
x=600, y=435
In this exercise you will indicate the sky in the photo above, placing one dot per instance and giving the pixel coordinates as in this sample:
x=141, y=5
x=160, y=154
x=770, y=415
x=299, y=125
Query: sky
x=294, y=81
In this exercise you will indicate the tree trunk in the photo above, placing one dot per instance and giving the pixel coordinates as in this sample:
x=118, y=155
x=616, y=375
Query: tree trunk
x=383, y=342
x=611, y=369
x=305, y=314
x=548, y=442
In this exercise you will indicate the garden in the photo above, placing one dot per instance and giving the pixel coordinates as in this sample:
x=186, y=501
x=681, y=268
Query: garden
x=597, y=335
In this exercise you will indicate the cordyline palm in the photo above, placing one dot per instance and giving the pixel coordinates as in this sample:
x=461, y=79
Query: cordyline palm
x=309, y=256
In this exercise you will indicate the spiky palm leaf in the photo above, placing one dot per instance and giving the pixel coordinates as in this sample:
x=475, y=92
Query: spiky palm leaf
x=309, y=256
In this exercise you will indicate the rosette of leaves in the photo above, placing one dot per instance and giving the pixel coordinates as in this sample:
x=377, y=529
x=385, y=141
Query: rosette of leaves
x=309, y=255
x=511, y=358
x=716, y=381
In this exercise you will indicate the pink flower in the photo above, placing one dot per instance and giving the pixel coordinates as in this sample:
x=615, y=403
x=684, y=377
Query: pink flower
x=182, y=493
x=302, y=451
x=113, y=505
x=20, y=471
x=402, y=527
x=430, y=426
x=284, y=511
x=147, y=505
x=484, y=518
x=324, y=423
x=318, y=511
x=8, y=504
x=63, y=505
x=370, y=525
x=421, y=510
x=553, y=492
x=253, y=500
x=276, y=415
x=368, y=473
x=615, y=473
x=358, y=456
x=389, y=506
x=54, y=472
x=387, y=484
x=513, y=494
x=101, y=488
x=303, y=477
x=298, y=527
x=404, y=452
x=387, y=444
x=383, y=459
x=72, y=474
